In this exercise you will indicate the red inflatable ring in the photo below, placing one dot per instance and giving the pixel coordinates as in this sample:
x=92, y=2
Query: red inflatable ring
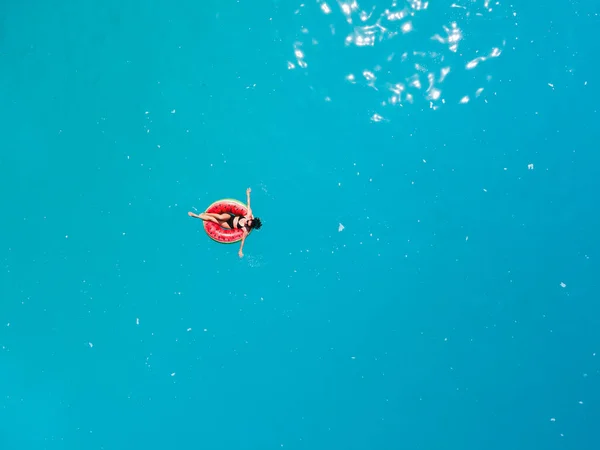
x=218, y=233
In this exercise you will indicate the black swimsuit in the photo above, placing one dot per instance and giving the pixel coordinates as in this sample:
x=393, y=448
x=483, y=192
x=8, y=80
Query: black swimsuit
x=231, y=219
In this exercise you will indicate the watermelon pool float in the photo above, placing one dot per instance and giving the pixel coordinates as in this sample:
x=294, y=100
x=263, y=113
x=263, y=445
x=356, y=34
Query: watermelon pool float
x=218, y=233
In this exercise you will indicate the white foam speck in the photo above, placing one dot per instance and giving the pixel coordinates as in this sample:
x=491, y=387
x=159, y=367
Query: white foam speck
x=563, y=285
x=325, y=8
x=341, y=228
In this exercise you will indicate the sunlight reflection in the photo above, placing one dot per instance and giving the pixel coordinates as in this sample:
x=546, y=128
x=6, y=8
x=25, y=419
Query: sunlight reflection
x=437, y=53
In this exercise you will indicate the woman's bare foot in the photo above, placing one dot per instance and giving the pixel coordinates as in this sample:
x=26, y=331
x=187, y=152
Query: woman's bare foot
x=191, y=214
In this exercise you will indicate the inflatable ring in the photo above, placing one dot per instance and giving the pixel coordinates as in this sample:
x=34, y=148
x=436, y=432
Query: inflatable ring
x=218, y=233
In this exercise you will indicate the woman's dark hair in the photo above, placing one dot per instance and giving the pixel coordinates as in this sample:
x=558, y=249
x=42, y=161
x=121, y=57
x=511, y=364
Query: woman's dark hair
x=256, y=223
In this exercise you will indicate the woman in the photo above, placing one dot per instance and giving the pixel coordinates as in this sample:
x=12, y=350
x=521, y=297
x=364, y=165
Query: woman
x=232, y=222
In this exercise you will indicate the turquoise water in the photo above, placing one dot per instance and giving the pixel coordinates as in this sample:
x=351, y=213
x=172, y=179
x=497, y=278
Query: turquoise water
x=454, y=308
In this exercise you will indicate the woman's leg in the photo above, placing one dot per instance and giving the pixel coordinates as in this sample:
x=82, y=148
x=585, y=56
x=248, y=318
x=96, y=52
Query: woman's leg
x=204, y=216
x=221, y=217
x=211, y=217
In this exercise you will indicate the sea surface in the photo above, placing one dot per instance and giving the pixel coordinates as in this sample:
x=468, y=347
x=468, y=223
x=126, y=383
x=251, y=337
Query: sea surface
x=427, y=273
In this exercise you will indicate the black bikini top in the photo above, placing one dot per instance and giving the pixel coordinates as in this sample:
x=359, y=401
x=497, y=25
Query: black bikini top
x=239, y=226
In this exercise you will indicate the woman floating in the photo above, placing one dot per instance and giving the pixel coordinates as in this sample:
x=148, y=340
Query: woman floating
x=228, y=221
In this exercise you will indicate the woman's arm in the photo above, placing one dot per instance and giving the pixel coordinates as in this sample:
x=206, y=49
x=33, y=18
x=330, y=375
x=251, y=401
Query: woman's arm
x=248, y=202
x=240, y=253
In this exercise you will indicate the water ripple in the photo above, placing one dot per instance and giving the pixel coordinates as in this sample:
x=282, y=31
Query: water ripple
x=425, y=53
